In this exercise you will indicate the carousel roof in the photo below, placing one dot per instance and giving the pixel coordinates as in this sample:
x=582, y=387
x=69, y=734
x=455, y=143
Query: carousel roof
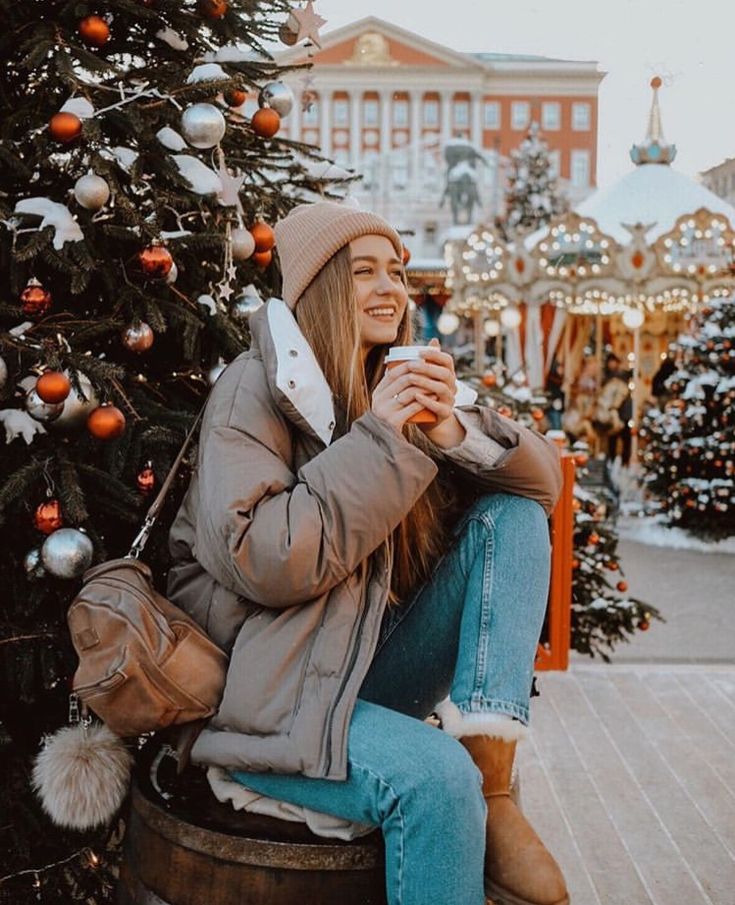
x=652, y=194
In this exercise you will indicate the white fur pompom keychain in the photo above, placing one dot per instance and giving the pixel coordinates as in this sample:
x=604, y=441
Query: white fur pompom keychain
x=82, y=774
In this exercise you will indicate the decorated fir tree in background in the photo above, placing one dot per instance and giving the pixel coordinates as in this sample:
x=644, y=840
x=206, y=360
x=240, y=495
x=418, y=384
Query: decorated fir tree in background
x=532, y=195
x=603, y=613
x=689, y=447
x=136, y=204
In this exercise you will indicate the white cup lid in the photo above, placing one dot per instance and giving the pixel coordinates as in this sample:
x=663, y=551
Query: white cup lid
x=405, y=353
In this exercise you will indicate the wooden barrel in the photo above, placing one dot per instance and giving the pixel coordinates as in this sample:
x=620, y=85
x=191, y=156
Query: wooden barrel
x=193, y=850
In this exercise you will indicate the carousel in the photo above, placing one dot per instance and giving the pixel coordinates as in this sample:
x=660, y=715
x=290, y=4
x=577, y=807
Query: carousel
x=622, y=272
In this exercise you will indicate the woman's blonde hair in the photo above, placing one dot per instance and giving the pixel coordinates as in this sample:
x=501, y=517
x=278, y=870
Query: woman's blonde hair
x=328, y=317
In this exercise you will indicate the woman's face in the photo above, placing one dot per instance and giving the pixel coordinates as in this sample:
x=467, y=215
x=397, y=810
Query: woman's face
x=377, y=274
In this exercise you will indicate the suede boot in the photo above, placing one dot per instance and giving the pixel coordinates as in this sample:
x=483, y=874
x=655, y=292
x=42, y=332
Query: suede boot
x=518, y=868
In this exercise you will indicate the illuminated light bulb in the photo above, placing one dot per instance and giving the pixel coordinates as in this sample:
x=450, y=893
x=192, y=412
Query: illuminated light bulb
x=633, y=318
x=510, y=317
x=491, y=328
x=447, y=323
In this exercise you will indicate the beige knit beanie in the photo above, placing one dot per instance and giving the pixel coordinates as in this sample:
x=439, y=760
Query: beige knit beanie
x=310, y=234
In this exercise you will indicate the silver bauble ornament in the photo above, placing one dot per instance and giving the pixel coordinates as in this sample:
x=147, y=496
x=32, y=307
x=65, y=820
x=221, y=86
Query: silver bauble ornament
x=246, y=303
x=243, y=243
x=45, y=412
x=278, y=96
x=75, y=408
x=32, y=563
x=92, y=192
x=215, y=372
x=202, y=125
x=67, y=553
x=3, y=373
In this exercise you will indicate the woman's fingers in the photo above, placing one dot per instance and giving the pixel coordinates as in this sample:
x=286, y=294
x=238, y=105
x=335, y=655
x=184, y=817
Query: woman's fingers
x=420, y=381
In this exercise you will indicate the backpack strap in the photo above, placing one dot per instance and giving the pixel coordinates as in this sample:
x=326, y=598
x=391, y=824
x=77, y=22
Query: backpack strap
x=155, y=508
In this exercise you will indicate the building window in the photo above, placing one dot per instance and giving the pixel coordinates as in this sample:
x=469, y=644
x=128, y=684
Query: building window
x=400, y=112
x=491, y=115
x=520, y=114
x=555, y=164
x=461, y=113
x=581, y=117
x=580, y=169
x=431, y=113
x=341, y=112
x=311, y=114
x=370, y=112
x=550, y=116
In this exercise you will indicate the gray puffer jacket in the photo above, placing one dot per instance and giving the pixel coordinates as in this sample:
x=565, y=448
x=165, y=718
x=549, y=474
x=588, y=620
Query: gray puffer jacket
x=281, y=545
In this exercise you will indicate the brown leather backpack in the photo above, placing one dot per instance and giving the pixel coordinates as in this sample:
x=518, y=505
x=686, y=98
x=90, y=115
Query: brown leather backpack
x=144, y=664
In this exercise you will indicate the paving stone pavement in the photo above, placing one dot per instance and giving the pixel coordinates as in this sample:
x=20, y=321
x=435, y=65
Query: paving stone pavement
x=629, y=770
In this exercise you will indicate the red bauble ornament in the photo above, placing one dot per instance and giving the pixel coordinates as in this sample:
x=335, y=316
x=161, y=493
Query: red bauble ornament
x=505, y=410
x=138, y=337
x=581, y=459
x=537, y=414
x=644, y=625
x=266, y=122
x=489, y=379
x=53, y=386
x=155, y=261
x=405, y=256
x=262, y=259
x=35, y=299
x=263, y=235
x=106, y=422
x=47, y=517
x=622, y=586
x=146, y=480
x=213, y=9
x=94, y=31
x=593, y=539
x=235, y=97
x=575, y=563
x=65, y=127
x=612, y=566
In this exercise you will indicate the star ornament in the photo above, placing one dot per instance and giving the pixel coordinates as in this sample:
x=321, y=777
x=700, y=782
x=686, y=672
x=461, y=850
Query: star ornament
x=309, y=23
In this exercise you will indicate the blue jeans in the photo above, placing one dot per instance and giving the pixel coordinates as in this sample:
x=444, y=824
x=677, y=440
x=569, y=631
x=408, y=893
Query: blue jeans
x=470, y=632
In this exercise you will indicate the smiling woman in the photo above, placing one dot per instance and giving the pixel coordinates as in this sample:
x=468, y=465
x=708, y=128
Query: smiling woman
x=350, y=561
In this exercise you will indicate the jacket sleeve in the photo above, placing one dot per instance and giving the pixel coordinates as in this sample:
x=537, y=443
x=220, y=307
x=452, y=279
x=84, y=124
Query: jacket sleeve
x=499, y=455
x=280, y=538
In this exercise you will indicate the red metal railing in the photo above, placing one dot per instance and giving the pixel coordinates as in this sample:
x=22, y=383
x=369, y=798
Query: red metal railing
x=553, y=653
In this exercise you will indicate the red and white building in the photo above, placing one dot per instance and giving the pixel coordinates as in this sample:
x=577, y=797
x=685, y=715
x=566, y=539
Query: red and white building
x=386, y=101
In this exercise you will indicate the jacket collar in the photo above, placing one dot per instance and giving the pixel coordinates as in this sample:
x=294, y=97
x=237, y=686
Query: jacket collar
x=295, y=378
x=294, y=375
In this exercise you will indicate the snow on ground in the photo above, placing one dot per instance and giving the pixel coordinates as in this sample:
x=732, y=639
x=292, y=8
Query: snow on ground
x=650, y=530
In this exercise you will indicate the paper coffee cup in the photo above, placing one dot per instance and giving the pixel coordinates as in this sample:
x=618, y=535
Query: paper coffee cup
x=398, y=354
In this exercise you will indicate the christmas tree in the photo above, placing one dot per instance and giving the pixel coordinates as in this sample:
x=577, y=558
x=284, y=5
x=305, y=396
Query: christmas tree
x=136, y=203
x=689, y=447
x=532, y=196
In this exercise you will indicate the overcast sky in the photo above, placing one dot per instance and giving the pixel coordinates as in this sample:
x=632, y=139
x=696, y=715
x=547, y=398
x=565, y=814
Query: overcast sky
x=690, y=43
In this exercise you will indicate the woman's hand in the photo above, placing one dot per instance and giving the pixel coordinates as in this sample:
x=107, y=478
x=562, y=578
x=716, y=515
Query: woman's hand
x=391, y=401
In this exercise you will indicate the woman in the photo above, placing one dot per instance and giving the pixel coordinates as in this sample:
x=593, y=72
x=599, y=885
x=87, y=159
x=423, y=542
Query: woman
x=319, y=544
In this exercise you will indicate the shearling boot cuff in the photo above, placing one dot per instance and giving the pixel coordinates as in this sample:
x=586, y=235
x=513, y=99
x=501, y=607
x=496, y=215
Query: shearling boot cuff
x=496, y=725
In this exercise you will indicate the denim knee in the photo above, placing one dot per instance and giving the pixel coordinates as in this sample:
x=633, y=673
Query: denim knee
x=512, y=514
x=446, y=771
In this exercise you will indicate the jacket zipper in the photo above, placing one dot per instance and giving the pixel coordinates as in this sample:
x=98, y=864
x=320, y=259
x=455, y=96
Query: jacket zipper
x=353, y=658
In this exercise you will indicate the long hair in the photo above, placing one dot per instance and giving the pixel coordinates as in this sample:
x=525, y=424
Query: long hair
x=328, y=317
